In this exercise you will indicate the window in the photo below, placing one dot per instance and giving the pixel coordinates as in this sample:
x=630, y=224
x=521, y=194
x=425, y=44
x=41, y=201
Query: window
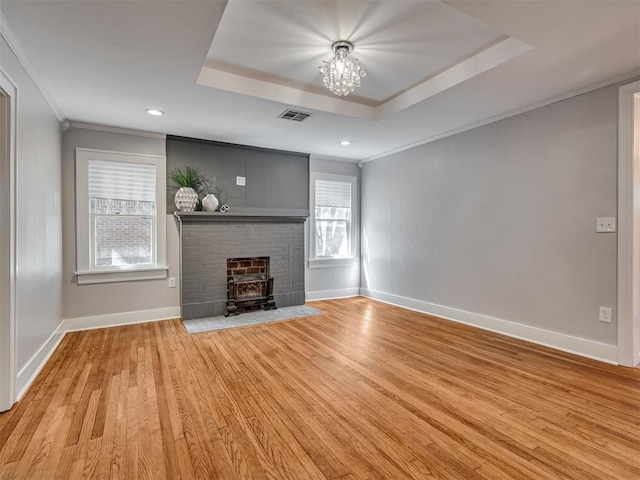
x=120, y=216
x=333, y=210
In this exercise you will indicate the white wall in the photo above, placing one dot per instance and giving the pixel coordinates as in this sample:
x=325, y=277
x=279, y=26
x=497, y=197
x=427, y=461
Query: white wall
x=38, y=222
x=498, y=224
x=118, y=302
x=334, y=281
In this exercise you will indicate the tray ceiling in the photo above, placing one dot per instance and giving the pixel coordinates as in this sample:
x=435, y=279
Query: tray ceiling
x=225, y=70
x=273, y=50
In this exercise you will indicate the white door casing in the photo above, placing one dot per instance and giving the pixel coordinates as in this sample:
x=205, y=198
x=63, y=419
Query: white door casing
x=629, y=225
x=8, y=97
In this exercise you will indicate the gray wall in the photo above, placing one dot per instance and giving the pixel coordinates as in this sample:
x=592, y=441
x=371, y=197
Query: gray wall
x=500, y=220
x=38, y=232
x=334, y=280
x=274, y=179
x=119, y=297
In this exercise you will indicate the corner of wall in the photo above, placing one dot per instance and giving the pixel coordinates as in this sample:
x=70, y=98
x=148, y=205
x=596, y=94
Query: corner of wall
x=30, y=371
x=566, y=343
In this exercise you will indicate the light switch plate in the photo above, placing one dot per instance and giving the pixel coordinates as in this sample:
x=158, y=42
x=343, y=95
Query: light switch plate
x=242, y=181
x=605, y=314
x=606, y=224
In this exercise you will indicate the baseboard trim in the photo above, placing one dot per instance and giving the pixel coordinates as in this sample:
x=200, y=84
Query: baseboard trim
x=118, y=319
x=332, y=294
x=27, y=375
x=559, y=341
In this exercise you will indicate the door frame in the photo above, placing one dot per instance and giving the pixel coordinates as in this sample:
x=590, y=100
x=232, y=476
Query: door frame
x=629, y=225
x=8, y=110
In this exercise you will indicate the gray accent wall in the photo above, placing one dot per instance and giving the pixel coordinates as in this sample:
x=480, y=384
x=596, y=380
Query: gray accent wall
x=500, y=220
x=38, y=233
x=275, y=179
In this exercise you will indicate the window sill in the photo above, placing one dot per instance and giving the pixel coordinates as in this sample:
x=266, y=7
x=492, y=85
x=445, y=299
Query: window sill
x=332, y=262
x=130, y=275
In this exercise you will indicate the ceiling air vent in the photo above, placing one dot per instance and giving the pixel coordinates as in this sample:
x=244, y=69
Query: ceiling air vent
x=294, y=115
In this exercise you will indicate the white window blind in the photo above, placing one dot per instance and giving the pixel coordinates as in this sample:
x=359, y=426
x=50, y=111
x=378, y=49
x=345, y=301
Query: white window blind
x=122, y=180
x=333, y=194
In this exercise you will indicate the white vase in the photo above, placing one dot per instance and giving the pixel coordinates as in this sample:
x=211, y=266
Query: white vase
x=210, y=203
x=186, y=199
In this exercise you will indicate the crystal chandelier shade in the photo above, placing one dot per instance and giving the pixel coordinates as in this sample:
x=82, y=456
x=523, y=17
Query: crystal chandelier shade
x=343, y=72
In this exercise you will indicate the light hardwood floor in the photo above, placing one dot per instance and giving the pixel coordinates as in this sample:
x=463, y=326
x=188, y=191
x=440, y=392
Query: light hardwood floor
x=366, y=390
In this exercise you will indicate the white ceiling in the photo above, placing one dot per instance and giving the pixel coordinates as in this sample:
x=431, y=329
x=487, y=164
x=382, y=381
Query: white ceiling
x=225, y=70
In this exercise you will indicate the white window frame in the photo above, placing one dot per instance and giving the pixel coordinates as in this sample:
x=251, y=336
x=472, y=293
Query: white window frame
x=85, y=273
x=324, y=262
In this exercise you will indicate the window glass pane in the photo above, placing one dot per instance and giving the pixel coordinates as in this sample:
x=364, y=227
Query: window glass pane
x=329, y=213
x=123, y=240
x=332, y=238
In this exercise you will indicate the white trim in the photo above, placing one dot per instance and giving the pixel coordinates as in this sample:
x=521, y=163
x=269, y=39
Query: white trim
x=210, y=76
x=29, y=372
x=106, y=128
x=27, y=375
x=111, y=276
x=314, y=156
x=559, y=341
x=333, y=262
x=8, y=340
x=14, y=44
x=118, y=319
x=502, y=116
x=493, y=56
x=332, y=294
x=628, y=308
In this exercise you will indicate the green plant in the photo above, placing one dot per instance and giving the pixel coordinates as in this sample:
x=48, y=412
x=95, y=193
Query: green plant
x=208, y=185
x=188, y=177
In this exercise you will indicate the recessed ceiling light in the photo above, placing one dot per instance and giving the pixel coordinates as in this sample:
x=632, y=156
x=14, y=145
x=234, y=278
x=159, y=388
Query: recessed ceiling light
x=153, y=111
x=345, y=142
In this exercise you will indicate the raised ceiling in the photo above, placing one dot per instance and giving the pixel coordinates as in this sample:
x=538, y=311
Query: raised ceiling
x=225, y=70
x=411, y=50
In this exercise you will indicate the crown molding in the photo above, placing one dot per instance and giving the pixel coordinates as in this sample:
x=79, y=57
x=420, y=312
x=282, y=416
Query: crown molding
x=313, y=156
x=106, y=128
x=14, y=44
x=612, y=81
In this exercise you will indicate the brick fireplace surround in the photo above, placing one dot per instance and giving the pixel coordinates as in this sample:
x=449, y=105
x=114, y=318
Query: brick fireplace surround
x=208, y=240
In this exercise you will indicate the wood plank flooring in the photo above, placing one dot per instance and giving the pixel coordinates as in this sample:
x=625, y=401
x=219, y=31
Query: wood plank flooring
x=366, y=390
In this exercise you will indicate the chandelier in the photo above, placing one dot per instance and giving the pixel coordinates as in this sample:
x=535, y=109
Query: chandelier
x=343, y=72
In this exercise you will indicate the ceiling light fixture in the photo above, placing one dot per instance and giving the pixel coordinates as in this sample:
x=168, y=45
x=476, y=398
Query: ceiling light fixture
x=153, y=111
x=343, y=72
x=345, y=142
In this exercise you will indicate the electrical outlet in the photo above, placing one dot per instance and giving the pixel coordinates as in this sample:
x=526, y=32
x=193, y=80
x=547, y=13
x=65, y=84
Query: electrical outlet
x=605, y=224
x=172, y=282
x=605, y=314
x=242, y=181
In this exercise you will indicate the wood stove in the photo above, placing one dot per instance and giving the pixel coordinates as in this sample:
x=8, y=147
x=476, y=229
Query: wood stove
x=248, y=292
